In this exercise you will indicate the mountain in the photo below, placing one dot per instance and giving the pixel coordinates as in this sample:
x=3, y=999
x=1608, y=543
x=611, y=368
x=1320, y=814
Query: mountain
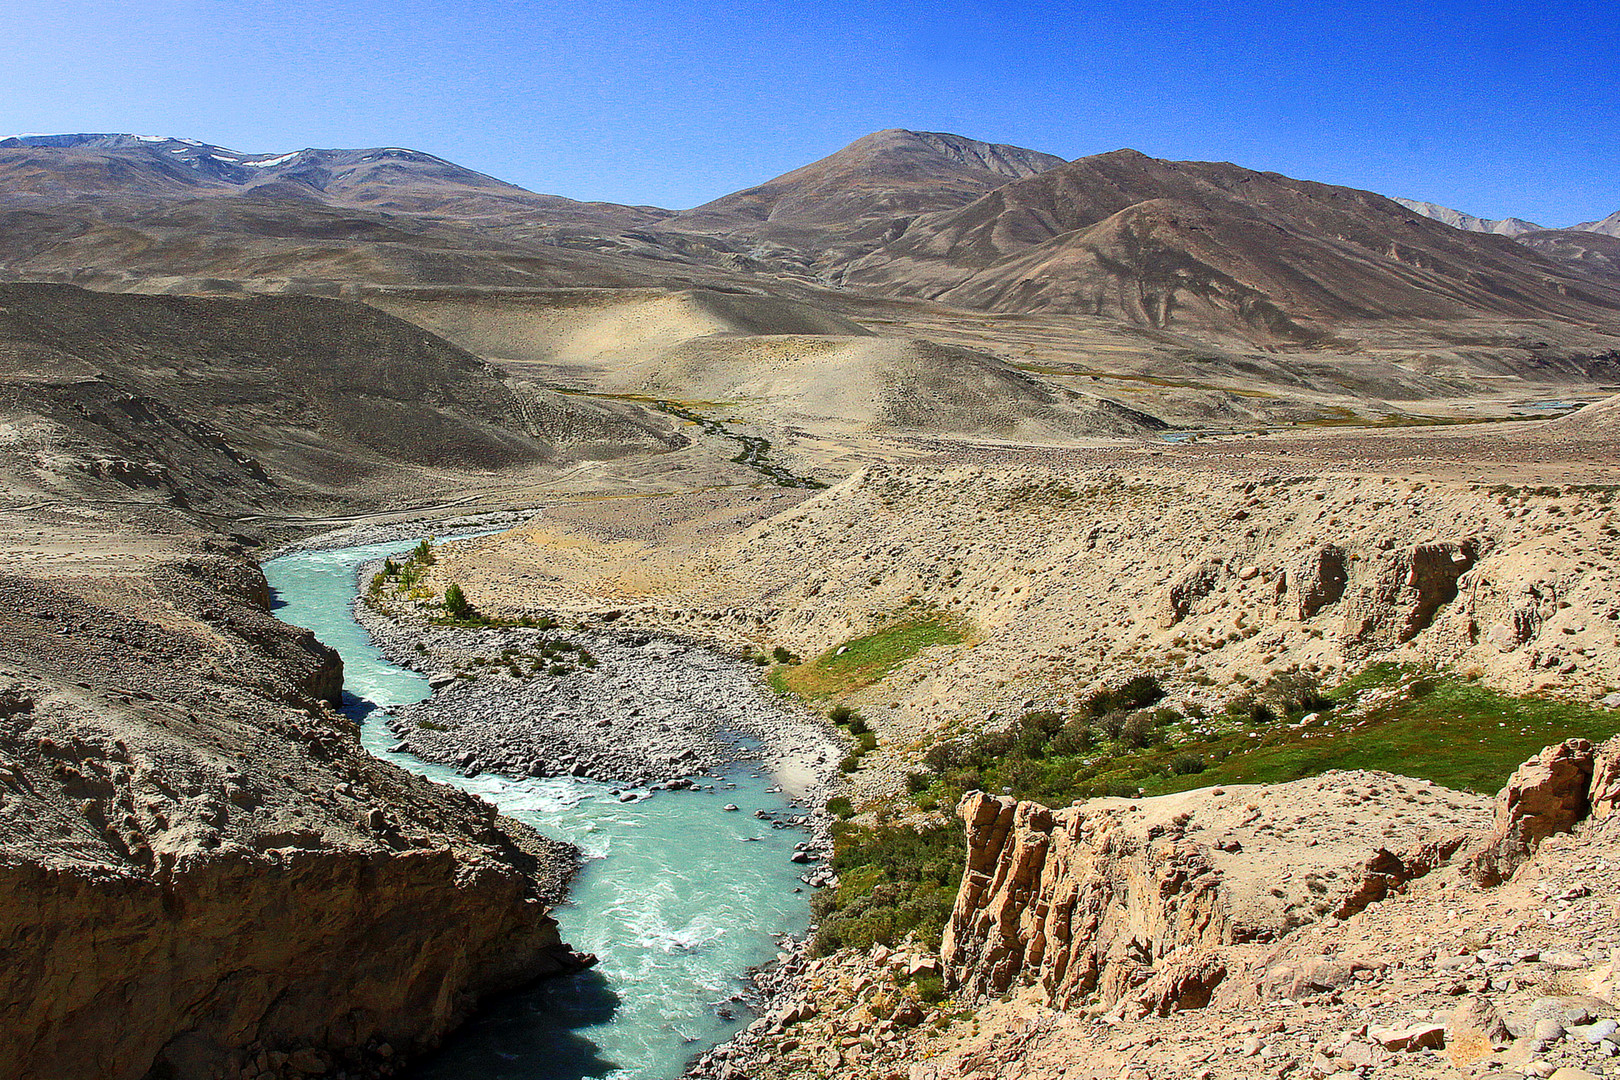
x=1216, y=247
x=850, y=202
x=136, y=211
x=1609, y=226
x=886, y=174
x=1468, y=222
x=1593, y=252
x=50, y=169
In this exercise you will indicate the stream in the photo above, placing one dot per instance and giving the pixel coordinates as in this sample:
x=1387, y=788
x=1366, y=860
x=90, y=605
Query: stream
x=677, y=897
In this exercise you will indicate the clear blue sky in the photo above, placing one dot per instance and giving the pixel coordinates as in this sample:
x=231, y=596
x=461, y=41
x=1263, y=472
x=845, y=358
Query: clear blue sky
x=1492, y=108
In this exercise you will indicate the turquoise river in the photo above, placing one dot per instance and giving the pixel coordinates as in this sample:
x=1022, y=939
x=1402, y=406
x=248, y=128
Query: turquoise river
x=678, y=898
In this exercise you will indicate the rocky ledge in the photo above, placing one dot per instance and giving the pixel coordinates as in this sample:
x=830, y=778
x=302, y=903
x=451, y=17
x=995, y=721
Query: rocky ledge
x=1120, y=897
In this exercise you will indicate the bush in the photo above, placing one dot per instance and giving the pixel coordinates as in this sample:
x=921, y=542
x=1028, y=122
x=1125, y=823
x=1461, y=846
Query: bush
x=1188, y=764
x=930, y=989
x=840, y=714
x=840, y=806
x=868, y=741
x=423, y=553
x=850, y=763
x=858, y=725
x=917, y=782
x=944, y=756
x=455, y=602
x=893, y=880
x=1112, y=724
x=1137, y=731
x=782, y=656
x=1137, y=692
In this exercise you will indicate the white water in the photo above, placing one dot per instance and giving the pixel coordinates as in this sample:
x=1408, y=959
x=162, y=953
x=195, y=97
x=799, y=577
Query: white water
x=678, y=898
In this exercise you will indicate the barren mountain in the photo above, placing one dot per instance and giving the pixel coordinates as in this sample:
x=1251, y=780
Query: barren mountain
x=1596, y=253
x=1213, y=246
x=1511, y=226
x=886, y=174
x=1609, y=226
x=862, y=195
x=49, y=169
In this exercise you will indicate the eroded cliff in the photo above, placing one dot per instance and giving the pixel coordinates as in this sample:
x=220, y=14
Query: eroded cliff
x=203, y=873
x=1131, y=901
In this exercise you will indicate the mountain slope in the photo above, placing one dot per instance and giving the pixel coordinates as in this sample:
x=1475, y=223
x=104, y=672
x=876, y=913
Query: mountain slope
x=1213, y=246
x=1468, y=222
x=1609, y=226
x=212, y=402
x=1595, y=253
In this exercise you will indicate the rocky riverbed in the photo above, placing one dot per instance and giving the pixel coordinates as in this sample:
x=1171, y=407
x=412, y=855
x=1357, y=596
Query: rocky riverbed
x=619, y=706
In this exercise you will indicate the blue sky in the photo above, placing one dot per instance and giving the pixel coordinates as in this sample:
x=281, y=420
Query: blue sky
x=1494, y=109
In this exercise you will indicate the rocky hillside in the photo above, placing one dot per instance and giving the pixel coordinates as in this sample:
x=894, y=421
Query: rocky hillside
x=208, y=874
x=1148, y=939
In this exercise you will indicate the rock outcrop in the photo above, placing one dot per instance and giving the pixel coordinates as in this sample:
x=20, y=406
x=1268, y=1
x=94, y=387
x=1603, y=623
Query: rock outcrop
x=1134, y=900
x=1604, y=794
x=1547, y=794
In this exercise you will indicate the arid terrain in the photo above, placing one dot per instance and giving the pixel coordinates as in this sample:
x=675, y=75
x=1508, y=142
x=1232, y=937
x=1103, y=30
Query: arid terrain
x=1183, y=556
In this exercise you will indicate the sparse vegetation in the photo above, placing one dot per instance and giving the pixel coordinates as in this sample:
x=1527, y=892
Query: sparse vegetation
x=864, y=660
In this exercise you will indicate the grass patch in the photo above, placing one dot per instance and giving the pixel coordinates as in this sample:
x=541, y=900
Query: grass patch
x=1395, y=719
x=865, y=660
x=1445, y=729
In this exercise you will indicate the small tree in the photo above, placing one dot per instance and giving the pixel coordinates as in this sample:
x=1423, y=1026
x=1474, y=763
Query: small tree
x=455, y=602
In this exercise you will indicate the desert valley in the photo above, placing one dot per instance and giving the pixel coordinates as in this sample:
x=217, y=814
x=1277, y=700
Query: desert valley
x=943, y=612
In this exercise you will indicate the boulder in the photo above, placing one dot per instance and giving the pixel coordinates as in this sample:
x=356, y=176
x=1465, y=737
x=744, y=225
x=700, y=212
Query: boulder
x=1545, y=795
x=1190, y=586
x=1415, y=1037
x=1474, y=1031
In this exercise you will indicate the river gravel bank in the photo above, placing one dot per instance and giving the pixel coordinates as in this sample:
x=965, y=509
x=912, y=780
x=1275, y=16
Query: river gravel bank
x=624, y=707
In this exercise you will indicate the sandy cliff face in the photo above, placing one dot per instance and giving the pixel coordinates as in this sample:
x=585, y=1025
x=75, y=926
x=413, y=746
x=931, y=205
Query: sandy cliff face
x=1135, y=899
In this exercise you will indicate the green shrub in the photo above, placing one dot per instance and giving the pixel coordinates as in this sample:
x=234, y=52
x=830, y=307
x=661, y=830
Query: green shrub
x=868, y=741
x=893, y=880
x=858, y=725
x=782, y=656
x=930, y=989
x=917, y=782
x=1188, y=764
x=1137, y=731
x=455, y=602
x=840, y=806
x=850, y=763
x=1138, y=692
